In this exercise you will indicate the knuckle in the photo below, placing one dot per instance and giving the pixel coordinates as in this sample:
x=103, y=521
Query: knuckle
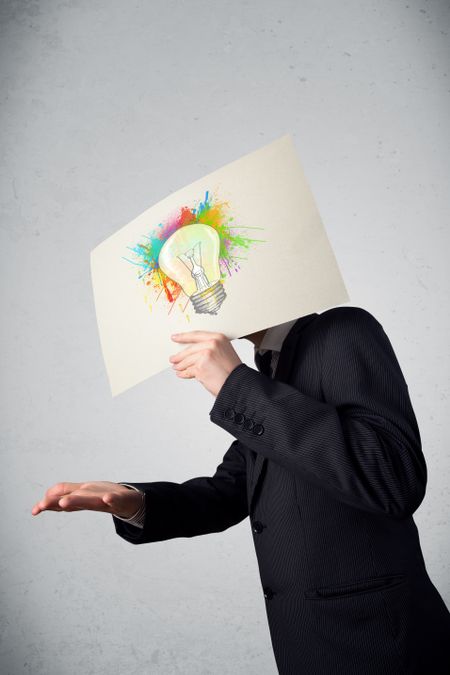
x=57, y=488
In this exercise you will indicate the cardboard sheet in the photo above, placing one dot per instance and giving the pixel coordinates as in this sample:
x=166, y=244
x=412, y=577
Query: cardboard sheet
x=241, y=249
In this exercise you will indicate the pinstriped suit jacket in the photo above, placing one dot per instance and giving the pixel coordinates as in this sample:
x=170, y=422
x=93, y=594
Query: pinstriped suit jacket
x=327, y=462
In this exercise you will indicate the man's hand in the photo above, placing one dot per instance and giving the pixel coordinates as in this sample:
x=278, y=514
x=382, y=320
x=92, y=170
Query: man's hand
x=112, y=498
x=210, y=358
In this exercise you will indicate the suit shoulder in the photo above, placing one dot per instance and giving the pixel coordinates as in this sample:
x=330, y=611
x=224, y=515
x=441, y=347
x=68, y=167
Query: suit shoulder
x=348, y=318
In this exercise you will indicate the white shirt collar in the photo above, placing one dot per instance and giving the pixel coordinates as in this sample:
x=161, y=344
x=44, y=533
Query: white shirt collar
x=274, y=337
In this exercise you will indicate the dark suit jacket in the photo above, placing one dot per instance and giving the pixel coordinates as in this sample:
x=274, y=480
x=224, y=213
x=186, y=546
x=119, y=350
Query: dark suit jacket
x=327, y=462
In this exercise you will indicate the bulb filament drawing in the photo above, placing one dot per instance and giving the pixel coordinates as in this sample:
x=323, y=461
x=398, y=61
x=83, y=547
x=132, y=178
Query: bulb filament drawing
x=197, y=271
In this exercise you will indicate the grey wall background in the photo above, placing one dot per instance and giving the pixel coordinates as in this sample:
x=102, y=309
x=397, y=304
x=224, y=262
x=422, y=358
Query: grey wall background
x=107, y=107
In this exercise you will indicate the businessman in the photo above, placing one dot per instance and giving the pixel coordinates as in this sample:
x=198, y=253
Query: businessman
x=327, y=463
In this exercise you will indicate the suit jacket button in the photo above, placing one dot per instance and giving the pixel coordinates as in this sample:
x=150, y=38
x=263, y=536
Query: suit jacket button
x=239, y=418
x=249, y=424
x=229, y=414
x=258, y=429
x=258, y=527
x=268, y=593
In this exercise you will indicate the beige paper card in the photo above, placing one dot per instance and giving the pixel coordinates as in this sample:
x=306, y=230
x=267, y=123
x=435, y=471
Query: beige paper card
x=237, y=251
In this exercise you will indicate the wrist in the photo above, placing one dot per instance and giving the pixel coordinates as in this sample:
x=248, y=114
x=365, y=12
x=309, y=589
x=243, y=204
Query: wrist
x=136, y=503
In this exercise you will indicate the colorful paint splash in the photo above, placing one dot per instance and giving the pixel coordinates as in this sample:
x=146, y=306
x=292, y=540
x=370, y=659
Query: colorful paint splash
x=211, y=211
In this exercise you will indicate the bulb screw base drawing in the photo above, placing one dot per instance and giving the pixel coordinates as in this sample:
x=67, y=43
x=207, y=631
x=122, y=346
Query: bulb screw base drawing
x=209, y=300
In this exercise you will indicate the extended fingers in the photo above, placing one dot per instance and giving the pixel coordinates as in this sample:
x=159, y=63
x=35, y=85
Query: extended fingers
x=52, y=496
x=63, y=497
x=83, y=501
x=61, y=489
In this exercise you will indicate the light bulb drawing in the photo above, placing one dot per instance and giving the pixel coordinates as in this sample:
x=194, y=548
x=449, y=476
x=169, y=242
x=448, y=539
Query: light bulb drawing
x=192, y=253
x=190, y=257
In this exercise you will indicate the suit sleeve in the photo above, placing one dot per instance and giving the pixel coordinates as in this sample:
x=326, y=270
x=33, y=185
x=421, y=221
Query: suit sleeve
x=360, y=441
x=198, y=506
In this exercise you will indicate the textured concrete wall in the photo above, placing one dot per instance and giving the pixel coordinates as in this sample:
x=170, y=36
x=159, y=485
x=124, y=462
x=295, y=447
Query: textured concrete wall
x=107, y=106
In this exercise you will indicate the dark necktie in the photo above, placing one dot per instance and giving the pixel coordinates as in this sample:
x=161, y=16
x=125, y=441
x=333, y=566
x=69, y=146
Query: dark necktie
x=263, y=362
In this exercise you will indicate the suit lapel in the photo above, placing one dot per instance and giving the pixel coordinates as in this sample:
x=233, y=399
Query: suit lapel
x=282, y=373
